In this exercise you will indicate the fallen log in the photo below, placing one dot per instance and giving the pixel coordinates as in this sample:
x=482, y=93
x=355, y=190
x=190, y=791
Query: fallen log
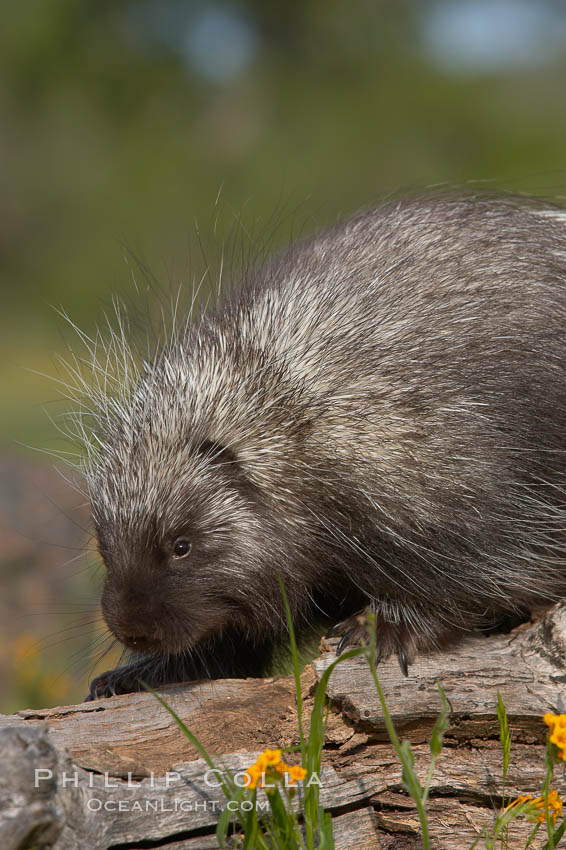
x=119, y=772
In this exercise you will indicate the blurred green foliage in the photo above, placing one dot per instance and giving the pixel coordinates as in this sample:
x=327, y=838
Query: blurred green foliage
x=113, y=138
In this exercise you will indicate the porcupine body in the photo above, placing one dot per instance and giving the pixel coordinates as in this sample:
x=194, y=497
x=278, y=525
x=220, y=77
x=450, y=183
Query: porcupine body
x=377, y=416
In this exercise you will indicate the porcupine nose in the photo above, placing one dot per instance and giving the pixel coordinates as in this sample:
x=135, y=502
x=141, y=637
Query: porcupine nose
x=131, y=614
x=138, y=630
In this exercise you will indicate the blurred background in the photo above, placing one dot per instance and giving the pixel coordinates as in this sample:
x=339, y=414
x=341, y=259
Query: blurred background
x=159, y=129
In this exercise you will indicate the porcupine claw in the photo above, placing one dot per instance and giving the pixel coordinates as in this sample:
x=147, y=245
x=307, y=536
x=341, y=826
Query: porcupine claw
x=351, y=639
x=403, y=661
x=122, y=680
x=345, y=641
x=99, y=687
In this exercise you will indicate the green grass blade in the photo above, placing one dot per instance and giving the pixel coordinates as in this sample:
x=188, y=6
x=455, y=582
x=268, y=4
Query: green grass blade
x=296, y=668
x=228, y=786
x=315, y=744
x=441, y=725
x=532, y=836
x=404, y=751
x=326, y=830
x=556, y=836
x=505, y=739
x=223, y=825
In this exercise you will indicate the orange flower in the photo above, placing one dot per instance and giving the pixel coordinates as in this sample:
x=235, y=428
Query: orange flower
x=261, y=763
x=254, y=774
x=269, y=766
x=557, y=732
x=272, y=757
x=269, y=758
x=536, y=808
x=296, y=773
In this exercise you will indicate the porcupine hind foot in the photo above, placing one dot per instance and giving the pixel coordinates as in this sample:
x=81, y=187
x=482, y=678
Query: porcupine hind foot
x=400, y=631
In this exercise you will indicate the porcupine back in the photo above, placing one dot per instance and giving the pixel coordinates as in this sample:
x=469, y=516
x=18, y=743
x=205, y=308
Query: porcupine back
x=377, y=416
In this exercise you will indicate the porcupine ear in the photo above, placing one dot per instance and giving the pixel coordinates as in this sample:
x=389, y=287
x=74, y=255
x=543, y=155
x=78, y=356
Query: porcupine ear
x=216, y=453
x=228, y=463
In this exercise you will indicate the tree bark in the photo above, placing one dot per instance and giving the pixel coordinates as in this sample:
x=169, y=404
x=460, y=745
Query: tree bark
x=99, y=757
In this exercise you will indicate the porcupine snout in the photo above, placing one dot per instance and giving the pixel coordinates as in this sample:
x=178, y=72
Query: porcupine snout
x=119, y=605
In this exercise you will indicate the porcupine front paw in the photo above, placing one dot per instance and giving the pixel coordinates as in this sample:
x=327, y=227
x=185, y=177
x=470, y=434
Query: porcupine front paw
x=129, y=678
x=391, y=638
x=122, y=680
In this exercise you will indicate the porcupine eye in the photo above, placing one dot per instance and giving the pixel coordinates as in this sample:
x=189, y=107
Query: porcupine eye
x=181, y=547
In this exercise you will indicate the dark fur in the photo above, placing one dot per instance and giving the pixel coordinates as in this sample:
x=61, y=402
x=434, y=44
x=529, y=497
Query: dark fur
x=377, y=416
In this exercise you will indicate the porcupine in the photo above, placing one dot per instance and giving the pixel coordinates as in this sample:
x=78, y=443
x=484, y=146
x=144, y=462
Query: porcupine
x=376, y=417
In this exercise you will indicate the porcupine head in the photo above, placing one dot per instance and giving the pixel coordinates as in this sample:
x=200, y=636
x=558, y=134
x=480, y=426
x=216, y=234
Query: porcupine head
x=198, y=501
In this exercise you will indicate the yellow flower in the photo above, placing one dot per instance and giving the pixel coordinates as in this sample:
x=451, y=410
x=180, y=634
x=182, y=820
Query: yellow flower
x=269, y=766
x=261, y=762
x=269, y=758
x=536, y=809
x=254, y=774
x=557, y=732
x=554, y=805
x=296, y=772
x=272, y=757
